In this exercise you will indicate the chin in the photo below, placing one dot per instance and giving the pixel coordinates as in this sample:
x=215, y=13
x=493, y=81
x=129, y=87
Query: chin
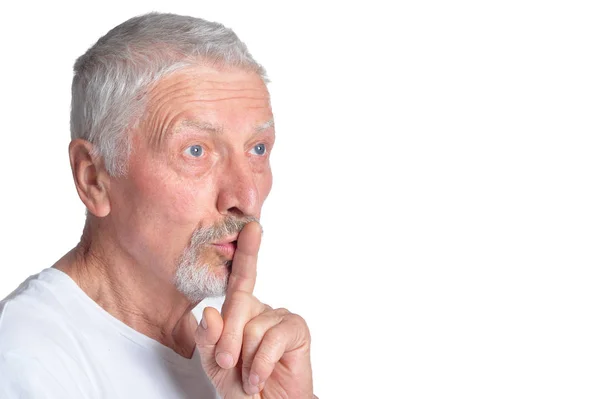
x=199, y=281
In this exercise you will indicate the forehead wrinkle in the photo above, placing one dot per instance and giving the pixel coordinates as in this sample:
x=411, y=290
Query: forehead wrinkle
x=226, y=87
x=163, y=124
x=214, y=100
x=159, y=127
x=159, y=100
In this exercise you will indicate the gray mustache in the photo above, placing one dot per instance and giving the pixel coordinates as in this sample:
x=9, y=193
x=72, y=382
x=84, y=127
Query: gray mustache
x=230, y=225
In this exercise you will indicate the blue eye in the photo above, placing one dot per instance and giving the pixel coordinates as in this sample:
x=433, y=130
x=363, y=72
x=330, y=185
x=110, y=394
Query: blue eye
x=260, y=149
x=195, y=150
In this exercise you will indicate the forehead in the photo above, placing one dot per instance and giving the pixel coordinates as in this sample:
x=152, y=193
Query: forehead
x=209, y=99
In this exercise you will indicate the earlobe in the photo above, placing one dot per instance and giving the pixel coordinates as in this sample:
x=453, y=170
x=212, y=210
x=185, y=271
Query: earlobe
x=91, y=179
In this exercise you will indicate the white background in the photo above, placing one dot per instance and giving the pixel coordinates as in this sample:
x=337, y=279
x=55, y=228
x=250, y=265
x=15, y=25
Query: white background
x=435, y=212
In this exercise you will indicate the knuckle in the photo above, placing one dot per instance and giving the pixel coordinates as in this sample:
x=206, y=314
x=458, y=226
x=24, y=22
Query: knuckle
x=282, y=311
x=274, y=339
x=300, y=326
x=267, y=308
x=297, y=320
x=253, y=331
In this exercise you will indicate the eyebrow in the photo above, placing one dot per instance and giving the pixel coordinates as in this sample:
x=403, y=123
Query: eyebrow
x=206, y=126
x=218, y=129
x=265, y=126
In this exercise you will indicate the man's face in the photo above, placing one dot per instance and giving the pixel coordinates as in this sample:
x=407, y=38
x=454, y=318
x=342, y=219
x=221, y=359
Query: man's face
x=199, y=170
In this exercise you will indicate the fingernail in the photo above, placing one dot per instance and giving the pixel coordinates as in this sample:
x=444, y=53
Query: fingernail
x=203, y=323
x=224, y=360
x=253, y=379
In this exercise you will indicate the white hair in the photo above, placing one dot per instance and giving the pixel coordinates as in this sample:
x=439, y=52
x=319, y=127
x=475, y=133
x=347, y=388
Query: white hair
x=112, y=78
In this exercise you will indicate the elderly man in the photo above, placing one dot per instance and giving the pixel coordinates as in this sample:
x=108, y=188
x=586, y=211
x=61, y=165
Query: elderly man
x=171, y=131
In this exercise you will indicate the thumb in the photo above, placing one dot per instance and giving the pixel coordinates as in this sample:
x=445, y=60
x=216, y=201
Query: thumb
x=207, y=335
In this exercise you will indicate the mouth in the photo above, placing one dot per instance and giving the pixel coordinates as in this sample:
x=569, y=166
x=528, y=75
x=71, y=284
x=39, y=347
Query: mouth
x=226, y=247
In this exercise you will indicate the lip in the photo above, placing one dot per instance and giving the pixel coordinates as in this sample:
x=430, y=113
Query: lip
x=227, y=240
x=227, y=247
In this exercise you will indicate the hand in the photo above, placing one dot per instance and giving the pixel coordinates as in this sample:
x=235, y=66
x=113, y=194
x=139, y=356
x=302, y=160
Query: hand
x=254, y=351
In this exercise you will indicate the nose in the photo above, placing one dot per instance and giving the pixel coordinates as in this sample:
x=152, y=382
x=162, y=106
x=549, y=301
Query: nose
x=238, y=192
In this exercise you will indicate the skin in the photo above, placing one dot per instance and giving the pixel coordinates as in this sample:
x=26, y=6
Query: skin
x=139, y=225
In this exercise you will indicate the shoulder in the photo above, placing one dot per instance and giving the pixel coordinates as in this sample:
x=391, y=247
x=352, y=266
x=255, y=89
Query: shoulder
x=38, y=359
x=31, y=313
x=37, y=344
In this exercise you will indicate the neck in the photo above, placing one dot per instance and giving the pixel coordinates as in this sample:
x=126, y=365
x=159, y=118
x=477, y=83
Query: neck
x=122, y=288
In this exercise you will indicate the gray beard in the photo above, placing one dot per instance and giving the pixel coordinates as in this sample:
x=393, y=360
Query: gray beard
x=193, y=277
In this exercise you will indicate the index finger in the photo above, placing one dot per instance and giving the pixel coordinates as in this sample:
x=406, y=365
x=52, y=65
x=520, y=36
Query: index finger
x=243, y=269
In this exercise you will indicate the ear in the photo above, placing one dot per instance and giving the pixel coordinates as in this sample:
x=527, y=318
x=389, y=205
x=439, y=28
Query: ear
x=91, y=179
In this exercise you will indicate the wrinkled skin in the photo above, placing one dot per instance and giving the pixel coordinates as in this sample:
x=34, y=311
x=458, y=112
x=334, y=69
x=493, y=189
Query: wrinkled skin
x=273, y=345
x=200, y=153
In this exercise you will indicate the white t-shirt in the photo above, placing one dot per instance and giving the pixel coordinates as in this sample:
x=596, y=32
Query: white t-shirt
x=56, y=342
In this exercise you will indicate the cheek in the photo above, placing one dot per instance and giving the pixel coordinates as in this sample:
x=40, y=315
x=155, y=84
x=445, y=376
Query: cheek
x=158, y=216
x=167, y=199
x=178, y=202
x=180, y=207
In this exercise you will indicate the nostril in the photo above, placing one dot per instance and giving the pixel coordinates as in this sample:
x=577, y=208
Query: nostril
x=235, y=211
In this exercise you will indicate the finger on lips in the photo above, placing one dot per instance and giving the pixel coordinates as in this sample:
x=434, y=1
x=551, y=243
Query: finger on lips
x=243, y=269
x=240, y=305
x=249, y=328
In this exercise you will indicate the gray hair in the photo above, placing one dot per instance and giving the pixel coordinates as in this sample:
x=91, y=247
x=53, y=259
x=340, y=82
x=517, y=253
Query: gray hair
x=112, y=78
